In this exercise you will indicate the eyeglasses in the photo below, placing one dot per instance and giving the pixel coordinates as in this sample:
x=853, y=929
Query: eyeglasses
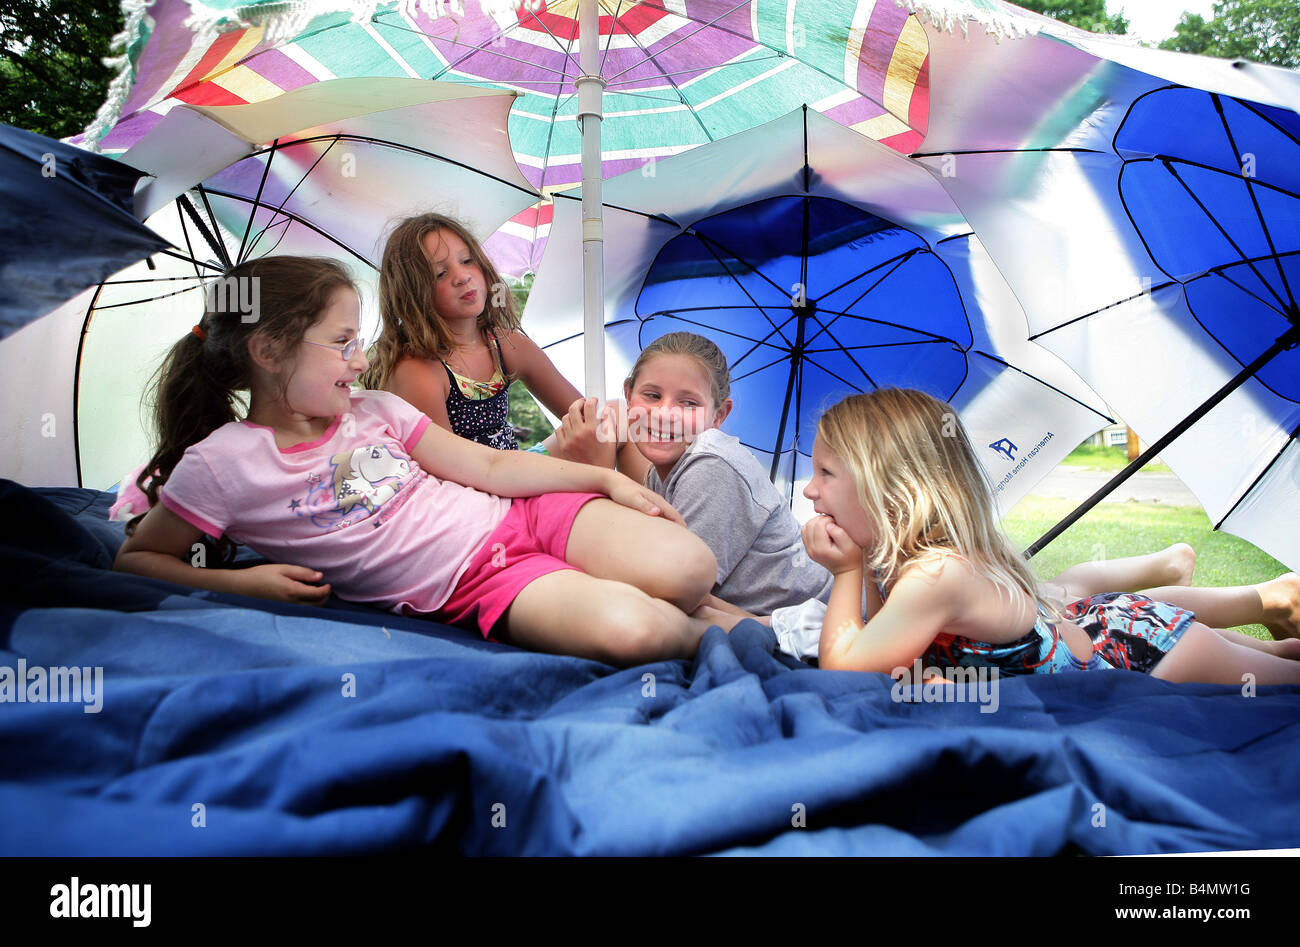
x=348, y=350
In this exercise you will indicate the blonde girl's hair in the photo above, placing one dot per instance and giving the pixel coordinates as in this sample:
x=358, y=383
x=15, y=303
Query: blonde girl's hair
x=697, y=347
x=921, y=487
x=410, y=323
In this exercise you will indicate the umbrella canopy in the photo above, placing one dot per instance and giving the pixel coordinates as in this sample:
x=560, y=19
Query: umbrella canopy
x=1165, y=191
x=822, y=264
x=374, y=149
x=52, y=196
x=677, y=73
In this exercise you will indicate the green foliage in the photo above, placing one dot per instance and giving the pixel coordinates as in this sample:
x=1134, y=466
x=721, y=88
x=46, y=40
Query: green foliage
x=1266, y=31
x=52, y=75
x=524, y=410
x=1085, y=14
x=526, y=414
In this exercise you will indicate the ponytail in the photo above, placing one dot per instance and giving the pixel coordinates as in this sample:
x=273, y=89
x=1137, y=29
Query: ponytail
x=202, y=382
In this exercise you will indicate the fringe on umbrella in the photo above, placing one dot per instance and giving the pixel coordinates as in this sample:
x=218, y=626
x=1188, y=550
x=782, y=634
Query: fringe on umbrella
x=997, y=18
x=283, y=19
x=136, y=26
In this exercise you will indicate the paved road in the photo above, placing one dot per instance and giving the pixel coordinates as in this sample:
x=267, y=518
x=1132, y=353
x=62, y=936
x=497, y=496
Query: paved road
x=1079, y=483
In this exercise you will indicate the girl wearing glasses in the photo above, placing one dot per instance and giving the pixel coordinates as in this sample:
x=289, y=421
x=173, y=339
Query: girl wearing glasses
x=371, y=500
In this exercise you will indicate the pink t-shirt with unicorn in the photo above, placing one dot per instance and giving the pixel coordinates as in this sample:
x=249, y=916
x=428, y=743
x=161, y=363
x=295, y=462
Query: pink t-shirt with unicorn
x=353, y=505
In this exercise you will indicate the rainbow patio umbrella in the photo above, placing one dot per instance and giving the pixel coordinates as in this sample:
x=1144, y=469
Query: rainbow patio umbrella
x=674, y=73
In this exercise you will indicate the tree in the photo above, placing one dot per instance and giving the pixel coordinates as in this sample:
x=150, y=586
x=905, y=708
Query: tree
x=1085, y=14
x=52, y=75
x=1265, y=31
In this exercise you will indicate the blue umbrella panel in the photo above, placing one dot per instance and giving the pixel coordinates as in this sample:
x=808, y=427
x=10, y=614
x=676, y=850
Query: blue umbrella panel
x=811, y=299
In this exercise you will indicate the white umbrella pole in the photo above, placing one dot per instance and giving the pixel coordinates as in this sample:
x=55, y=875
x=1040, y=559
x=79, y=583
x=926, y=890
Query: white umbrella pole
x=590, y=86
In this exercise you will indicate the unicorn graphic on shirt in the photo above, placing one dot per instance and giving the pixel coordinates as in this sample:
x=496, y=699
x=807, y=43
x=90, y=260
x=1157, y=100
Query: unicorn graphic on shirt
x=367, y=477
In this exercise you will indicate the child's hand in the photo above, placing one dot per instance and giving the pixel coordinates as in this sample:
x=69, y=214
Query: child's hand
x=588, y=436
x=830, y=547
x=629, y=493
x=284, y=583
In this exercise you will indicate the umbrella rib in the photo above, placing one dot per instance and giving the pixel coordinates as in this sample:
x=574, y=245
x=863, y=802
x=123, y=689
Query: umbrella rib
x=299, y=220
x=837, y=377
x=147, y=299
x=673, y=314
x=1119, y=302
x=1259, y=299
x=283, y=224
x=1254, y=483
x=397, y=146
x=154, y=279
x=702, y=27
x=881, y=345
x=893, y=325
x=650, y=58
x=695, y=72
x=280, y=209
x=1263, y=224
x=1046, y=384
x=555, y=111
x=1187, y=162
x=266, y=171
x=483, y=48
x=1210, y=217
x=600, y=66
x=755, y=371
x=897, y=263
x=758, y=344
x=1006, y=151
x=708, y=245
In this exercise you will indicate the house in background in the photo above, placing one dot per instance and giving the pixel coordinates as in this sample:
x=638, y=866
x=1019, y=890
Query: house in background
x=1119, y=435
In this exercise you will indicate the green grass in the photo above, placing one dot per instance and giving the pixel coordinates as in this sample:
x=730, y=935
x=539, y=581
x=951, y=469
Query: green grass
x=1116, y=530
x=1105, y=458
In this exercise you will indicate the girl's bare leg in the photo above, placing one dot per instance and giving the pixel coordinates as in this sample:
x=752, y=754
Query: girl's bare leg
x=1202, y=655
x=573, y=613
x=1275, y=604
x=1171, y=566
x=660, y=558
x=1283, y=648
x=724, y=618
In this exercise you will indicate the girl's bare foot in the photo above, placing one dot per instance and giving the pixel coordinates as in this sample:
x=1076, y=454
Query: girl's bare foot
x=1287, y=648
x=1281, y=600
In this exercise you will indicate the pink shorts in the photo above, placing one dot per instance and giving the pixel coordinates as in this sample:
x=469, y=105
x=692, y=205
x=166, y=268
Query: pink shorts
x=529, y=543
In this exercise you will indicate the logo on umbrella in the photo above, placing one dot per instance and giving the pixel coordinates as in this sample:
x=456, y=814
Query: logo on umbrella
x=1004, y=446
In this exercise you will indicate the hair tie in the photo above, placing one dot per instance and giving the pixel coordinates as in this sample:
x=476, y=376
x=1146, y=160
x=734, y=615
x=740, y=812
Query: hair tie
x=198, y=330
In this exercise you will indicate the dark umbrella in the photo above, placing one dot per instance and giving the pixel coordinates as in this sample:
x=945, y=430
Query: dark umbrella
x=65, y=224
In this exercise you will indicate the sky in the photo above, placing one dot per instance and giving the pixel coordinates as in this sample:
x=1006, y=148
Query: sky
x=1154, y=20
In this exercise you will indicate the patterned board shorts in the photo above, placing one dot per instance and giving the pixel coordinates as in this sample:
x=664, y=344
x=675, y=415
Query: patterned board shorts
x=1129, y=631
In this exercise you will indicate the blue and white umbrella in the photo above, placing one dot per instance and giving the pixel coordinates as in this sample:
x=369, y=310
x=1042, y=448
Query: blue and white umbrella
x=1152, y=233
x=823, y=264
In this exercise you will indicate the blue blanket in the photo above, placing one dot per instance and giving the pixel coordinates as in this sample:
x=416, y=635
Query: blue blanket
x=233, y=726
